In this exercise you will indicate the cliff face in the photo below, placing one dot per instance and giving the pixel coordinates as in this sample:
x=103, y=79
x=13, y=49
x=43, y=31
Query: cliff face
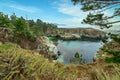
x=41, y=44
x=47, y=47
x=78, y=33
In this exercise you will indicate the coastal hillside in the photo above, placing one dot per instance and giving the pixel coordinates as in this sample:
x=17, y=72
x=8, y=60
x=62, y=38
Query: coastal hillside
x=20, y=60
x=20, y=64
x=40, y=40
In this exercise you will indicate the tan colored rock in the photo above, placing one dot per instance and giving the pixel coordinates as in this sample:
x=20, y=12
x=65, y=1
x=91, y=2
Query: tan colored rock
x=47, y=46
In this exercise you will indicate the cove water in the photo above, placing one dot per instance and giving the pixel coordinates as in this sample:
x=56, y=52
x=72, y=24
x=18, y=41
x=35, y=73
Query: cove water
x=69, y=48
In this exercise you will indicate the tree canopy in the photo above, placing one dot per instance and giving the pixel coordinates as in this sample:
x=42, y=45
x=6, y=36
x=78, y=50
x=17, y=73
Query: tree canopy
x=4, y=20
x=96, y=16
x=96, y=12
x=25, y=28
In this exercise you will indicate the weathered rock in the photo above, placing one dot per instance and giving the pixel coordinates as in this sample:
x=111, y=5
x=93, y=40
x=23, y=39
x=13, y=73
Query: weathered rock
x=41, y=43
x=5, y=34
x=79, y=34
x=47, y=46
x=69, y=36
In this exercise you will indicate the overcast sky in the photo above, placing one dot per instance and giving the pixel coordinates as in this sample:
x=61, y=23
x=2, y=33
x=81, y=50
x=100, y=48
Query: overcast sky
x=61, y=12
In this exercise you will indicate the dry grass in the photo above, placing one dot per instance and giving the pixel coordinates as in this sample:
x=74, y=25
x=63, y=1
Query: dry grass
x=19, y=64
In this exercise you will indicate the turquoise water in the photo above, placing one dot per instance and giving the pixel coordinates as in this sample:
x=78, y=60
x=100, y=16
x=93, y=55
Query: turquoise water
x=69, y=48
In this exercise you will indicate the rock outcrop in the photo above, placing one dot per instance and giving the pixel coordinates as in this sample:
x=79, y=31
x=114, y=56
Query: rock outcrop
x=70, y=36
x=79, y=34
x=46, y=46
x=5, y=34
x=41, y=44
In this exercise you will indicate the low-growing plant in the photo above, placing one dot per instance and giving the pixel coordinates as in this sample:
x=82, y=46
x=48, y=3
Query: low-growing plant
x=115, y=56
x=54, y=39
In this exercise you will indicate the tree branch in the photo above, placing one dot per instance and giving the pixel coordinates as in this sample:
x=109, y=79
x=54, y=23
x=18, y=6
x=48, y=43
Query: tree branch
x=113, y=22
x=114, y=5
x=111, y=16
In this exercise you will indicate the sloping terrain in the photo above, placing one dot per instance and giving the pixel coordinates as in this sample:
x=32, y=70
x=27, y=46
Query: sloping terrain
x=19, y=64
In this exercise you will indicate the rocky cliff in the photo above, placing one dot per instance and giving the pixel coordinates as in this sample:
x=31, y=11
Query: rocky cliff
x=78, y=33
x=41, y=44
x=47, y=47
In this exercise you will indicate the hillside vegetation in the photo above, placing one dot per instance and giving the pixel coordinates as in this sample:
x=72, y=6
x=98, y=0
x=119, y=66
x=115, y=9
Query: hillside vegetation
x=21, y=27
x=19, y=64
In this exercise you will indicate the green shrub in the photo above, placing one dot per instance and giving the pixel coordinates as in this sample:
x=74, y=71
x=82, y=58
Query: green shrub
x=54, y=39
x=4, y=20
x=115, y=58
x=76, y=55
x=116, y=37
x=21, y=29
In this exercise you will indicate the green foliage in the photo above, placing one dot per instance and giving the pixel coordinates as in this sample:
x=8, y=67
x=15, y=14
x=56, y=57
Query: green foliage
x=92, y=18
x=45, y=27
x=13, y=18
x=25, y=28
x=116, y=37
x=21, y=29
x=104, y=40
x=96, y=19
x=36, y=31
x=117, y=11
x=115, y=58
x=77, y=59
x=96, y=16
x=76, y=55
x=31, y=23
x=97, y=10
x=54, y=39
x=20, y=25
x=4, y=20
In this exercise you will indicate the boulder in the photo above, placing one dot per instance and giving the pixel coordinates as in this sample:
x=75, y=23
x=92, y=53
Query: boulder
x=46, y=46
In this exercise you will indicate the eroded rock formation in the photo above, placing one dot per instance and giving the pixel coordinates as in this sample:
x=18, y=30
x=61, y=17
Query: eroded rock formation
x=46, y=46
x=78, y=34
